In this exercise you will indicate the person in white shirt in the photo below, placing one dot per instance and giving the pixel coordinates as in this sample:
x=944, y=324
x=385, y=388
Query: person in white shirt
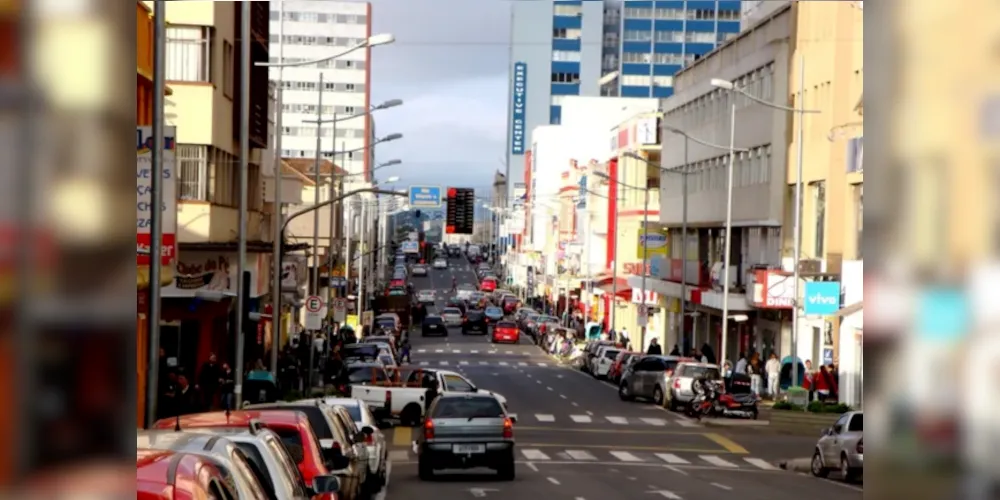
x=741, y=364
x=623, y=337
x=773, y=370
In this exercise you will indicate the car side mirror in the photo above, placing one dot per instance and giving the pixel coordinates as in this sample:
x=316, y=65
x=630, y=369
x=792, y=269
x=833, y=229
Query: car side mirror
x=326, y=484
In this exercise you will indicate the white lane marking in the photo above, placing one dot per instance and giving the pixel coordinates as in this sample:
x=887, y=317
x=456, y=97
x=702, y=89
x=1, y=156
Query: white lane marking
x=522, y=364
x=549, y=388
x=463, y=363
x=672, y=459
x=543, y=365
x=424, y=363
x=760, y=463
x=574, y=404
x=532, y=466
x=443, y=363
x=659, y=422
x=677, y=470
x=581, y=419
x=539, y=382
x=717, y=461
x=625, y=456
x=504, y=363
x=483, y=363
x=580, y=455
x=722, y=487
x=687, y=423
x=439, y=351
x=509, y=352
x=559, y=376
x=534, y=455
x=546, y=418
x=617, y=420
x=456, y=352
x=554, y=481
x=563, y=396
x=398, y=455
x=473, y=352
x=421, y=351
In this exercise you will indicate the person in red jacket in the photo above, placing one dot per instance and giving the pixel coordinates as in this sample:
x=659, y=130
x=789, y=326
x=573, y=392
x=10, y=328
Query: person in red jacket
x=826, y=386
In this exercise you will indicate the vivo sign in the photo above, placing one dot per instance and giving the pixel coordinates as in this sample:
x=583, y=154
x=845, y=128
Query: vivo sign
x=822, y=298
x=518, y=111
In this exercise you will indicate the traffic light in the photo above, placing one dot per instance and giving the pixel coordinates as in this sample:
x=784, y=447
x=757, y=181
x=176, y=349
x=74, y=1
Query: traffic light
x=461, y=211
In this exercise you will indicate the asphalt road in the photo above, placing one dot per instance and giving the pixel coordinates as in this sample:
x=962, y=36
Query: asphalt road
x=576, y=440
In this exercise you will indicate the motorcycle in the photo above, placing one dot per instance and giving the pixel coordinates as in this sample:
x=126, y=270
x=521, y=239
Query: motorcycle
x=714, y=400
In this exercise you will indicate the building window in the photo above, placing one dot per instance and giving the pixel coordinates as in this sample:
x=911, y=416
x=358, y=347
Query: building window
x=669, y=36
x=636, y=80
x=819, y=209
x=726, y=36
x=701, y=14
x=566, y=34
x=636, y=57
x=670, y=13
x=189, y=54
x=638, y=13
x=228, y=69
x=637, y=36
x=565, y=78
x=567, y=10
x=668, y=58
x=699, y=37
x=663, y=81
x=192, y=172
x=565, y=56
x=557, y=100
x=729, y=15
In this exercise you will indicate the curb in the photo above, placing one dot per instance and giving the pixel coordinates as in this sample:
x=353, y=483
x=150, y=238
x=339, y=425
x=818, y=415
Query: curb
x=795, y=465
x=735, y=423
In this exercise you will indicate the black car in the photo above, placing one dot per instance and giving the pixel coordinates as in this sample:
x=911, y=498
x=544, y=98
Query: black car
x=433, y=325
x=475, y=322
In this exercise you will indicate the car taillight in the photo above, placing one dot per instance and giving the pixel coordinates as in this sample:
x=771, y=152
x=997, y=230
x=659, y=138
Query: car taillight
x=677, y=384
x=369, y=439
x=388, y=399
x=429, y=429
x=861, y=447
x=508, y=429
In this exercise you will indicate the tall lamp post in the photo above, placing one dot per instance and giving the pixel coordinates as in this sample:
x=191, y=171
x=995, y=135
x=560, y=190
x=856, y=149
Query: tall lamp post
x=372, y=41
x=682, y=171
x=797, y=228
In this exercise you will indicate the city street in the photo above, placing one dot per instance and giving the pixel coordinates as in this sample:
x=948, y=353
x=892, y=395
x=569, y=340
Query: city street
x=577, y=440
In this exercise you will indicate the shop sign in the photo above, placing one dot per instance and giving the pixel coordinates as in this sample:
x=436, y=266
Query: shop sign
x=822, y=298
x=652, y=239
x=215, y=272
x=144, y=196
x=652, y=298
x=772, y=290
x=293, y=273
x=635, y=268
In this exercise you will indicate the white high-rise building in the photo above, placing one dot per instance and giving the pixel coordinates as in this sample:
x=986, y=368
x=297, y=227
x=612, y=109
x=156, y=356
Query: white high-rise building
x=313, y=30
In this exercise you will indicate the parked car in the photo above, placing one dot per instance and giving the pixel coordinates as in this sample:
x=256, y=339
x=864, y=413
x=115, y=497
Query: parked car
x=841, y=447
x=621, y=364
x=230, y=461
x=419, y=270
x=463, y=431
x=166, y=475
x=680, y=390
x=648, y=377
x=601, y=364
x=433, y=325
x=506, y=331
x=378, y=450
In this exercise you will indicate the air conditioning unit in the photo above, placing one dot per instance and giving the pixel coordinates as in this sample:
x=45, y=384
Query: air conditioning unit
x=810, y=266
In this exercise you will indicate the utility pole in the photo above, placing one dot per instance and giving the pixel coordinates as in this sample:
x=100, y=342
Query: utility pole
x=241, y=244
x=315, y=267
x=276, y=316
x=156, y=215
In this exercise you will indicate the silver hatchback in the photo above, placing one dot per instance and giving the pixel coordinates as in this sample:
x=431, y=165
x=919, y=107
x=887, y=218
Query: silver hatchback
x=841, y=447
x=649, y=378
x=452, y=316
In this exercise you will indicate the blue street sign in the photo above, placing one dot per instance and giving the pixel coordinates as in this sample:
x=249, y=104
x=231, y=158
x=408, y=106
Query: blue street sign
x=822, y=298
x=425, y=196
x=518, y=111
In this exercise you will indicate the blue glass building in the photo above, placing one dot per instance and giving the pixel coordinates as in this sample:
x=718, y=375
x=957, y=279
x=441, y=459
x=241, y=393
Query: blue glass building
x=627, y=48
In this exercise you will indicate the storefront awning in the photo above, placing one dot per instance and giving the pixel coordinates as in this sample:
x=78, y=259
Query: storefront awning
x=612, y=285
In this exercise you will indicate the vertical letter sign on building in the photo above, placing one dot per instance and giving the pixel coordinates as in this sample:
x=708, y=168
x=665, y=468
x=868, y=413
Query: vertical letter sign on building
x=520, y=89
x=461, y=211
x=144, y=195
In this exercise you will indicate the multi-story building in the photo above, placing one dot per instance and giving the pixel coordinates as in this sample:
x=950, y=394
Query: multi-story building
x=628, y=48
x=314, y=30
x=757, y=60
x=202, y=69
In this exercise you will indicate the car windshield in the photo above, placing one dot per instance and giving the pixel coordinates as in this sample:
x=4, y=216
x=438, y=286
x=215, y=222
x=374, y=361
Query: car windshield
x=452, y=311
x=610, y=354
x=386, y=323
x=506, y=324
x=703, y=372
x=354, y=411
x=467, y=408
x=359, y=351
x=494, y=310
x=547, y=319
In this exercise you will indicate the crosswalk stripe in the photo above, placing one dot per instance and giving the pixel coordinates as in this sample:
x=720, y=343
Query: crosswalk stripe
x=581, y=419
x=534, y=455
x=670, y=458
x=659, y=422
x=456, y=352
x=421, y=351
x=760, y=463
x=543, y=365
x=509, y=352
x=714, y=460
x=617, y=420
x=483, y=363
x=504, y=363
x=683, y=422
x=625, y=456
x=463, y=363
x=443, y=363
x=439, y=351
x=580, y=455
x=474, y=352
x=522, y=364
x=545, y=418
x=424, y=363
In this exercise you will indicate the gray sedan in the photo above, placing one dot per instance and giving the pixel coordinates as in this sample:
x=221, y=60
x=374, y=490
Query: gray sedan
x=452, y=316
x=466, y=431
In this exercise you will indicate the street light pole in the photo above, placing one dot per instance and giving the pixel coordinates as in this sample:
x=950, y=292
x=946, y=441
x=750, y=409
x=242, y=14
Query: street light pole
x=276, y=316
x=645, y=263
x=361, y=265
x=314, y=283
x=798, y=223
x=241, y=244
x=728, y=250
x=684, y=244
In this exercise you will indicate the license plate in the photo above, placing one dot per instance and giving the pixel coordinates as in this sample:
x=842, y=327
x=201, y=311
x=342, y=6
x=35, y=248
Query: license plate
x=469, y=448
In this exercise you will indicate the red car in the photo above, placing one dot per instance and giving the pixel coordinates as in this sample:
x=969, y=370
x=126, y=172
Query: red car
x=506, y=331
x=510, y=304
x=166, y=475
x=488, y=285
x=621, y=362
x=293, y=427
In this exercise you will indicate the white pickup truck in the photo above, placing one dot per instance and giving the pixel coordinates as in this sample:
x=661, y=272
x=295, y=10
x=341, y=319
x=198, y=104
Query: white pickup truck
x=401, y=392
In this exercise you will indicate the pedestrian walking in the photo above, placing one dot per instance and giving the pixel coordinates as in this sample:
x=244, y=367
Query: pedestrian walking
x=227, y=387
x=654, y=348
x=773, y=371
x=623, y=338
x=754, y=369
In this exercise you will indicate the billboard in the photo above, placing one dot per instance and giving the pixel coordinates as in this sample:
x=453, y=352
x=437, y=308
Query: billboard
x=518, y=110
x=425, y=196
x=655, y=237
x=144, y=195
x=460, y=214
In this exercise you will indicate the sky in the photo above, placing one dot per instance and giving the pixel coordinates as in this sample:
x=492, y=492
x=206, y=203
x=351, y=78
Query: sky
x=449, y=66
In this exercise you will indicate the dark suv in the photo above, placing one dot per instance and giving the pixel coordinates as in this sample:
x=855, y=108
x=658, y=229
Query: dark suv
x=433, y=325
x=475, y=322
